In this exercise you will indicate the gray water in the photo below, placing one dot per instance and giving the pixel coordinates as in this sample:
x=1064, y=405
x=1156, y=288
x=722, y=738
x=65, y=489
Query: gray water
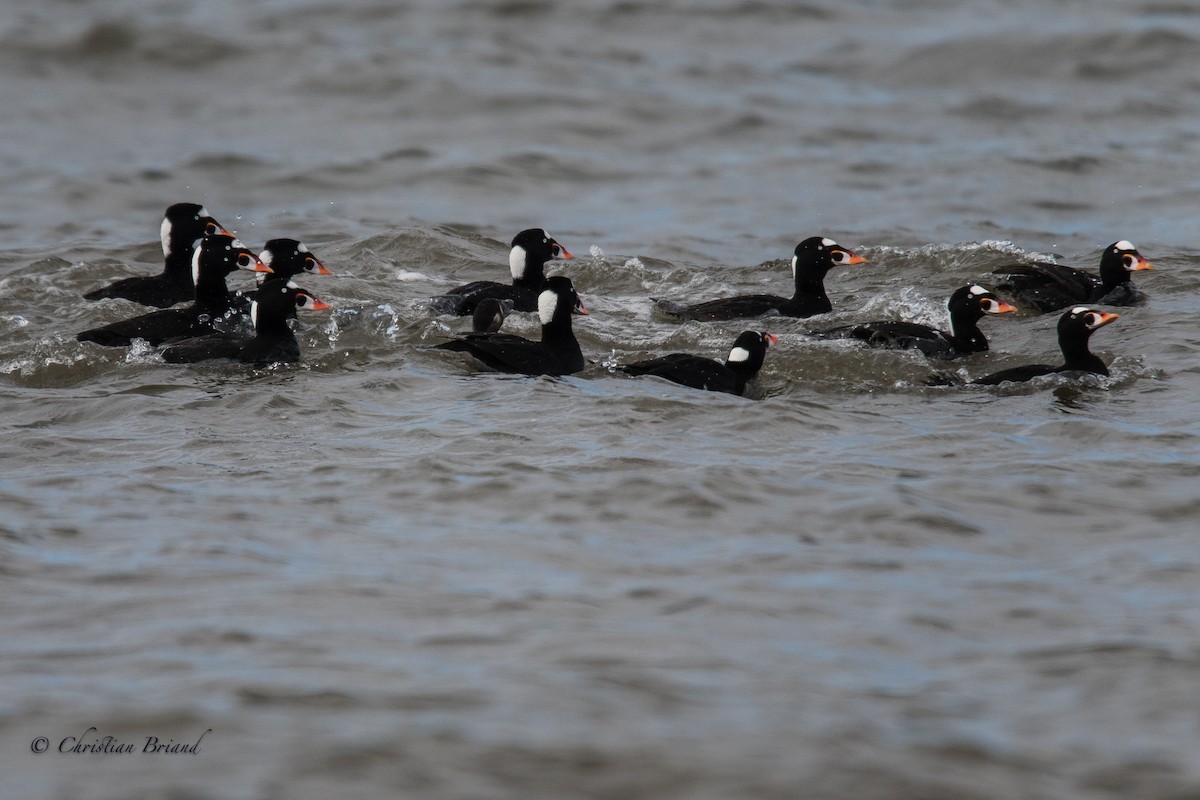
x=388, y=572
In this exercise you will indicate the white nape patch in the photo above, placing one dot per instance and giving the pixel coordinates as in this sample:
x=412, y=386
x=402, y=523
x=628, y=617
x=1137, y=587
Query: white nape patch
x=196, y=265
x=516, y=262
x=254, y=314
x=794, y=260
x=165, y=233
x=266, y=256
x=1124, y=244
x=547, y=303
x=1079, y=309
x=977, y=290
x=739, y=354
x=829, y=242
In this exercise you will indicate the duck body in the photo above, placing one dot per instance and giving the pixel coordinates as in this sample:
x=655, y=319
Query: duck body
x=182, y=225
x=744, y=362
x=214, y=258
x=1075, y=329
x=530, y=250
x=273, y=340
x=1047, y=287
x=558, y=352
x=811, y=261
x=967, y=306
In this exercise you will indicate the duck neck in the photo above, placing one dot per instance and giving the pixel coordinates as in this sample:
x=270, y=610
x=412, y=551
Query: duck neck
x=212, y=294
x=177, y=264
x=810, y=287
x=965, y=334
x=1113, y=273
x=558, y=330
x=272, y=326
x=1076, y=355
x=526, y=269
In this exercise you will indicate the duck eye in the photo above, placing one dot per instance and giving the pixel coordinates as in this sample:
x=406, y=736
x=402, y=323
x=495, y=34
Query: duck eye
x=243, y=261
x=210, y=229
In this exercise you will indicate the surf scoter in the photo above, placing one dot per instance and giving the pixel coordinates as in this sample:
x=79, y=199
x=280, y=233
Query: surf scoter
x=215, y=257
x=531, y=249
x=812, y=259
x=698, y=372
x=1074, y=329
x=557, y=353
x=967, y=306
x=489, y=315
x=287, y=258
x=1048, y=287
x=272, y=342
x=182, y=225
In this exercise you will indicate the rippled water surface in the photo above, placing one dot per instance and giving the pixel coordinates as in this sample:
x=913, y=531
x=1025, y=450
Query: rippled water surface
x=386, y=571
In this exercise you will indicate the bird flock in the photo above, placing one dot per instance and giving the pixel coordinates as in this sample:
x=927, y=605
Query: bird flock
x=255, y=327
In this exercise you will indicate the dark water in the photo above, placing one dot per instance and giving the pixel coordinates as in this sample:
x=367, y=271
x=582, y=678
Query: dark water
x=384, y=572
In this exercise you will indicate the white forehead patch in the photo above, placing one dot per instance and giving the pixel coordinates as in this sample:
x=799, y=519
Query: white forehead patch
x=516, y=261
x=547, y=303
x=1079, y=309
x=978, y=290
x=165, y=233
x=739, y=354
x=290, y=285
x=829, y=242
x=237, y=243
x=302, y=247
x=1124, y=244
x=203, y=212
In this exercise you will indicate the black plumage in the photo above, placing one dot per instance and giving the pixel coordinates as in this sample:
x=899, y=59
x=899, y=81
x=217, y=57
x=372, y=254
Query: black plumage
x=287, y=259
x=1046, y=287
x=1075, y=328
x=744, y=361
x=531, y=249
x=272, y=341
x=811, y=261
x=967, y=306
x=215, y=257
x=182, y=225
x=558, y=352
